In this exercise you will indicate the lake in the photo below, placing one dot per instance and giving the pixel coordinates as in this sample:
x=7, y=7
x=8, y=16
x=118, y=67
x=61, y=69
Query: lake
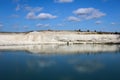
x=60, y=62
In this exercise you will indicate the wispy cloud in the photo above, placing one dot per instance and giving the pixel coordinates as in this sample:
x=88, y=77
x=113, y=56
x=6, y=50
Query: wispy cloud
x=31, y=15
x=42, y=25
x=17, y=7
x=1, y=25
x=60, y=25
x=72, y=18
x=14, y=16
x=25, y=27
x=63, y=1
x=98, y=22
x=88, y=13
x=33, y=9
x=15, y=1
x=113, y=23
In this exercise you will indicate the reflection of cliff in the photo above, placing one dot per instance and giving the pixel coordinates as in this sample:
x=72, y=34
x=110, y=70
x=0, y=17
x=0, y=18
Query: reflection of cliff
x=64, y=49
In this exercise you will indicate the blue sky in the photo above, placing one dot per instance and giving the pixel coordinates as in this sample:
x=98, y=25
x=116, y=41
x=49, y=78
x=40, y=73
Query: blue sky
x=27, y=15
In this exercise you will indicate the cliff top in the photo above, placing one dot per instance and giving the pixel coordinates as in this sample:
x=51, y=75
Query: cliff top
x=63, y=31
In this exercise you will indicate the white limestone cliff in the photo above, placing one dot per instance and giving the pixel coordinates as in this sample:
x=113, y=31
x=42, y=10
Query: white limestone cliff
x=56, y=37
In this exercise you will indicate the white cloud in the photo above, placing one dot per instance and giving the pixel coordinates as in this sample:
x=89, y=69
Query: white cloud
x=83, y=11
x=46, y=16
x=46, y=25
x=72, y=18
x=42, y=16
x=39, y=25
x=98, y=22
x=31, y=15
x=64, y=1
x=35, y=9
x=1, y=25
x=88, y=13
x=42, y=25
x=113, y=23
x=17, y=7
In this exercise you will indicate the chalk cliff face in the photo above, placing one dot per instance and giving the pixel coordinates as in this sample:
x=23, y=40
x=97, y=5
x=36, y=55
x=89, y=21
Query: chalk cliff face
x=56, y=37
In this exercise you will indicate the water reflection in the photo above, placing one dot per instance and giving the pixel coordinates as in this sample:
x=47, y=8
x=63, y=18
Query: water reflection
x=42, y=63
x=89, y=66
x=64, y=49
x=17, y=62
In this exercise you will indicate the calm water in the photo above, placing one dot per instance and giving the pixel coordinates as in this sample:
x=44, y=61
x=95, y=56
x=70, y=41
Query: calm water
x=53, y=62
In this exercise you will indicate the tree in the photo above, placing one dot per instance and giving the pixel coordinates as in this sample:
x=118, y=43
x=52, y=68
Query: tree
x=79, y=30
x=88, y=30
x=95, y=31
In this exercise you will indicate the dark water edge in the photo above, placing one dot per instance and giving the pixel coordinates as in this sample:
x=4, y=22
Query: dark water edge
x=92, y=63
